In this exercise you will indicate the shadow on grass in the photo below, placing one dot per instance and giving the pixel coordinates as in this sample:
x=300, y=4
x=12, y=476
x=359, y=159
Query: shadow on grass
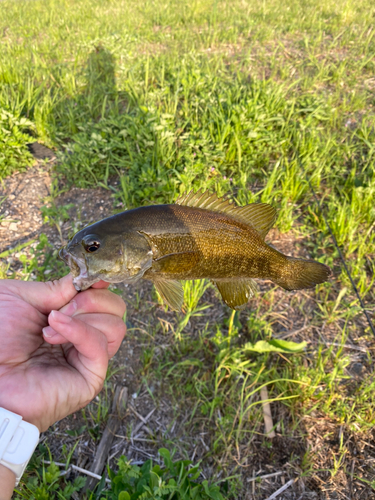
x=96, y=100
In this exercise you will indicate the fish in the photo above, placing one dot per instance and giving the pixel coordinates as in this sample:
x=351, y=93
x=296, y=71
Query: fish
x=200, y=236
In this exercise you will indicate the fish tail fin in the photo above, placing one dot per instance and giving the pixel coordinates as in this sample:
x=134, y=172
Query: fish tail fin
x=296, y=274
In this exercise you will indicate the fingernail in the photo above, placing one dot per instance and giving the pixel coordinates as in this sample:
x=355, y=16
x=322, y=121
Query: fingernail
x=60, y=317
x=49, y=332
x=69, y=309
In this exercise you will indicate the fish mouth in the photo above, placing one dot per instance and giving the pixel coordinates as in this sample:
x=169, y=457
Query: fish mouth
x=72, y=262
x=79, y=270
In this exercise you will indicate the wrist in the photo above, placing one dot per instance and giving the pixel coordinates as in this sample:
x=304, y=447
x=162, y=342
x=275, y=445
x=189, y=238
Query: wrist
x=7, y=482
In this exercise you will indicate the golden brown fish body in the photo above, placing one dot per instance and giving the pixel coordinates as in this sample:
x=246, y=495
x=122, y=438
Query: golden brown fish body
x=196, y=243
x=201, y=236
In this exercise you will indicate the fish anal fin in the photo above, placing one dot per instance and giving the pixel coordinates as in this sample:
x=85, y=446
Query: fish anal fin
x=171, y=292
x=260, y=216
x=236, y=292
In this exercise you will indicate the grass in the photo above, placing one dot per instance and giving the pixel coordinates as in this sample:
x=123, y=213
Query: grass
x=118, y=99
x=253, y=99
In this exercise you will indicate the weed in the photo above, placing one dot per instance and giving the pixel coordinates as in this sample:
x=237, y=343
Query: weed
x=56, y=215
x=14, y=137
x=42, y=262
x=177, y=479
x=47, y=482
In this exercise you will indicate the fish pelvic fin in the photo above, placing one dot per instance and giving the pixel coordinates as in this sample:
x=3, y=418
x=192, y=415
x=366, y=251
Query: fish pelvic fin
x=236, y=292
x=171, y=292
x=300, y=273
x=260, y=216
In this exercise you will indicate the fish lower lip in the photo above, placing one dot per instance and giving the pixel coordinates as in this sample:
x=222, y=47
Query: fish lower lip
x=77, y=266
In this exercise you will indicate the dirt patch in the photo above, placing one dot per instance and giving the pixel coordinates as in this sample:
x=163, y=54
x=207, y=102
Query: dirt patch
x=23, y=193
x=86, y=206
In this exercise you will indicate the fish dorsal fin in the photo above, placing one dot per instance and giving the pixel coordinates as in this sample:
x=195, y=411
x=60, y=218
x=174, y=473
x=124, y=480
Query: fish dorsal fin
x=236, y=292
x=171, y=292
x=258, y=215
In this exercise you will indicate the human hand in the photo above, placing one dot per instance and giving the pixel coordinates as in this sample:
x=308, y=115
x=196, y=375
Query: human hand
x=55, y=346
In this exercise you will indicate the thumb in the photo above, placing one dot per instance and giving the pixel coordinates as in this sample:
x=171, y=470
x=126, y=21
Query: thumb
x=46, y=296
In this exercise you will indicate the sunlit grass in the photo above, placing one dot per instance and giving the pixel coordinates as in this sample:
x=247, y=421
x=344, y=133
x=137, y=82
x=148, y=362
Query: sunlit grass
x=180, y=102
x=253, y=99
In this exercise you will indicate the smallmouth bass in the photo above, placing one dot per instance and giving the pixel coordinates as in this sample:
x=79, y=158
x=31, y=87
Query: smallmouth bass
x=199, y=236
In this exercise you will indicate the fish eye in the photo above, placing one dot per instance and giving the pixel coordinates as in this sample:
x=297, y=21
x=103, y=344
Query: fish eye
x=92, y=247
x=91, y=244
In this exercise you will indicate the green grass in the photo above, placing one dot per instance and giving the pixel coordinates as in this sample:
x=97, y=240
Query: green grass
x=14, y=154
x=174, y=479
x=210, y=94
x=253, y=99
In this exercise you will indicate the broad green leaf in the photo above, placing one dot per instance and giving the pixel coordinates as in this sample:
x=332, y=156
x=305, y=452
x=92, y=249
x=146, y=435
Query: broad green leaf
x=124, y=495
x=275, y=345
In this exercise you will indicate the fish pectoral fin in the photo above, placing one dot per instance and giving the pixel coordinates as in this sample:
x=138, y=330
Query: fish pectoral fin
x=260, y=216
x=171, y=292
x=176, y=263
x=236, y=292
